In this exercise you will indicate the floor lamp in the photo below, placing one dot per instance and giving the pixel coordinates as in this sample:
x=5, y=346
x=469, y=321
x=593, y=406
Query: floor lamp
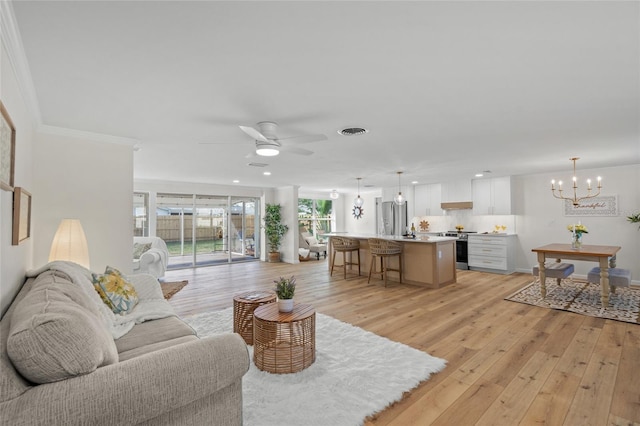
x=70, y=243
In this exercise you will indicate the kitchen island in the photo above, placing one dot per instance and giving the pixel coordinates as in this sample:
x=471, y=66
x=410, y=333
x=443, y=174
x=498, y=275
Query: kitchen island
x=428, y=261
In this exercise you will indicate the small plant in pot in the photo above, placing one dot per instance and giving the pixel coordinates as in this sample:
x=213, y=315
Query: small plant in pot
x=274, y=230
x=285, y=288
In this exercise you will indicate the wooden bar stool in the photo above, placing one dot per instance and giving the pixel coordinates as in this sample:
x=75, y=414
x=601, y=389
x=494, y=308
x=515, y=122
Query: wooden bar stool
x=345, y=245
x=384, y=249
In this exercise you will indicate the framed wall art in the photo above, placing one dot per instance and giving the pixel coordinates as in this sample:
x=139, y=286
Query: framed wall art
x=7, y=150
x=21, y=215
x=604, y=205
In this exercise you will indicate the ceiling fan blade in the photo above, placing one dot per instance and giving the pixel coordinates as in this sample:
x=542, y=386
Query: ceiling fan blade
x=295, y=150
x=304, y=139
x=254, y=133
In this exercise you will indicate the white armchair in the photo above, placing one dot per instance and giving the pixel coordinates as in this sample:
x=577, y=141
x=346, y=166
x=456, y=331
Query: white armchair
x=151, y=256
x=309, y=242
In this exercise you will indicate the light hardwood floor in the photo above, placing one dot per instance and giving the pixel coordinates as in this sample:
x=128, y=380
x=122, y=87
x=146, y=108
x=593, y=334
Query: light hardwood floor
x=508, y=363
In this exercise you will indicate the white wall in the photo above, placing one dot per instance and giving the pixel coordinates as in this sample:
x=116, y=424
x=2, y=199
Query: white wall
x=90, y=181
x=367, y=223
x=14, y=260
x=287, y=197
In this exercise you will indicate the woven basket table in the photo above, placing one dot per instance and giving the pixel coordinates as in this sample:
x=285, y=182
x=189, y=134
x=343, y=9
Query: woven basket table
x=243, y=306
x=284, y=342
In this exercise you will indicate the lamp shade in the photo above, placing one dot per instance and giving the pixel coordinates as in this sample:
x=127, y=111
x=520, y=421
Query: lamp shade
x=70, y=243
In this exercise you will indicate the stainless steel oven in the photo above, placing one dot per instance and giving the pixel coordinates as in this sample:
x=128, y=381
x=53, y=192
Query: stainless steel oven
x=462, y=248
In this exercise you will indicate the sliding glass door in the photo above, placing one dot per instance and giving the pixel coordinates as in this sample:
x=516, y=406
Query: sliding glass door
x=203, y=230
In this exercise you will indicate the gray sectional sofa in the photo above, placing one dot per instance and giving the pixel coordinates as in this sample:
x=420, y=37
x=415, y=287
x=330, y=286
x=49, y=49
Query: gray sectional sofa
x=60, y=364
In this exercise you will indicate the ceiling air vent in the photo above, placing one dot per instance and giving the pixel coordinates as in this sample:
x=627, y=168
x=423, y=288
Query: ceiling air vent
x=257, y=164
x=352, y=131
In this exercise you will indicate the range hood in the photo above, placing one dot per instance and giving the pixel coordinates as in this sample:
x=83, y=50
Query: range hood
x=457, y=205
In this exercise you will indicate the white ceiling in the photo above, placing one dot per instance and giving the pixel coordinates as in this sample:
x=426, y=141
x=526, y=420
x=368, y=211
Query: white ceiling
x=446, y=89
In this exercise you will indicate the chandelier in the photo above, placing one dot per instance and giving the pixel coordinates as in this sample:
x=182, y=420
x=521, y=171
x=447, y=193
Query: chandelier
x=575, y=199
x=358, y=201
x=399, y=199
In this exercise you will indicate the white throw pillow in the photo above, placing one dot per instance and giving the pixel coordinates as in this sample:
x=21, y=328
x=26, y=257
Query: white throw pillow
x=311, y=240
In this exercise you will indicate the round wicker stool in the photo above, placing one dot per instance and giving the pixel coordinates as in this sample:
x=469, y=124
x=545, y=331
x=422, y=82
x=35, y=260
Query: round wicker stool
x=243, y=306
x=384, y=249
x=284, y=342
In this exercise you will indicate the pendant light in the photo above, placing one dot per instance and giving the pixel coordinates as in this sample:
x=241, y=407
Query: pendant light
x=358, y=202
x=334, y=195
x=399, y=199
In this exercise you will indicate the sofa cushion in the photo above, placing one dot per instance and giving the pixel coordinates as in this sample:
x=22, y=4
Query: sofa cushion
x=311, y=240
x=139, y=248
x=56, y=333
x=142, y=350
x=150, y=332
x=116, y=292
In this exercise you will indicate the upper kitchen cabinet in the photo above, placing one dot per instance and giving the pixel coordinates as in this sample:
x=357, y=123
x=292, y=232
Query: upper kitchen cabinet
x=456, y=191
x=492, y=196
x=427, y=200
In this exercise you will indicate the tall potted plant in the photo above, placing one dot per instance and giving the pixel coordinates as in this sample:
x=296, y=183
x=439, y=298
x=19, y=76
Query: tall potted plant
x=274, y=230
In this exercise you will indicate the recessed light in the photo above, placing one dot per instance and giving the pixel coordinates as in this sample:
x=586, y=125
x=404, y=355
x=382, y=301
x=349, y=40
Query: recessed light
x=414, y=182
x=267, y=173
x=479, y=175
x=236, y=181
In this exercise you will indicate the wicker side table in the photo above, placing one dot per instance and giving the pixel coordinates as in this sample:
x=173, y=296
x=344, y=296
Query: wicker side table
x=243, y=306
x=284, y=342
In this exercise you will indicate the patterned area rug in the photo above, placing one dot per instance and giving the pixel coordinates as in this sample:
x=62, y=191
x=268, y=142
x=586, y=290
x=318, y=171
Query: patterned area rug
x=583, y=298
x=356, y=374
x=172, y=287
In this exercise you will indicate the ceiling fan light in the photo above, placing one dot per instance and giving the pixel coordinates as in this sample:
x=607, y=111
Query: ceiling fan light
x=267, y=151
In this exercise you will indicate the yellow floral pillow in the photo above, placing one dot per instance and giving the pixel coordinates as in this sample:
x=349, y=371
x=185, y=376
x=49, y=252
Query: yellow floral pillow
x=116, y=292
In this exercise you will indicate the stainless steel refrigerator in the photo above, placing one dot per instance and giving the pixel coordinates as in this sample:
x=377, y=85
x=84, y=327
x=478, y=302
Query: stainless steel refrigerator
x=393, y=218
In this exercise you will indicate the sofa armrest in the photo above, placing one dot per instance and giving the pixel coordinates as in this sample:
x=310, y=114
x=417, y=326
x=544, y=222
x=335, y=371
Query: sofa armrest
x=135, y=390
x=146, y=285
x=151, y=256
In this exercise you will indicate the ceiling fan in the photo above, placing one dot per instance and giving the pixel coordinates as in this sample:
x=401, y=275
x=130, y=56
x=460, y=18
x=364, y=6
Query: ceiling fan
x=268, y=144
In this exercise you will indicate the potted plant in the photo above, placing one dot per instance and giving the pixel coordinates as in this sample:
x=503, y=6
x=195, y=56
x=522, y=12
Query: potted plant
x=274, y=230
x=285, y=288
x=634, y=218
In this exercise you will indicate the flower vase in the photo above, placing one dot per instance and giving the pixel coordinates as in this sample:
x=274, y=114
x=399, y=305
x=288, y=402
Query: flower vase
x=285, y=305
x=576, y=241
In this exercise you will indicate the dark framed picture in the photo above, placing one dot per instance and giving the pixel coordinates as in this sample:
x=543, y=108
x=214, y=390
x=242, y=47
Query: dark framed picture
x=7, y=150
x=21, y=215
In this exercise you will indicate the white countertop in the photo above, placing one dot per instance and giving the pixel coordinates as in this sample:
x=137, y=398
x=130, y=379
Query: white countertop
x=492, y=234
x=418, y=239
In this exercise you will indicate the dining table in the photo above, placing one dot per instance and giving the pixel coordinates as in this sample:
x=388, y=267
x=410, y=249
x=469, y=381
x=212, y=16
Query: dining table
x=605, y=256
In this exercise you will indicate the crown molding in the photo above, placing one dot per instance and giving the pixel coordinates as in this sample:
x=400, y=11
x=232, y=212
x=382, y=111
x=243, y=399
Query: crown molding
x=12, y=42
x=80, y=134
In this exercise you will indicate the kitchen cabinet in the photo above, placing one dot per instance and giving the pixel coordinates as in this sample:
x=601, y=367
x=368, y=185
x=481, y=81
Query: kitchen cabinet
x=427, y=200
x=492, y=253
x=458, y=190
x=492, y=196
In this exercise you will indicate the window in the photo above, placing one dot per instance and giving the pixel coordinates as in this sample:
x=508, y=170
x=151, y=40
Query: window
x=140, y=214
x=315, y=215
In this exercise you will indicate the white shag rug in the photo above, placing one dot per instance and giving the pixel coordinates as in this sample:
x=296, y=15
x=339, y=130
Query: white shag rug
x=356, y=374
